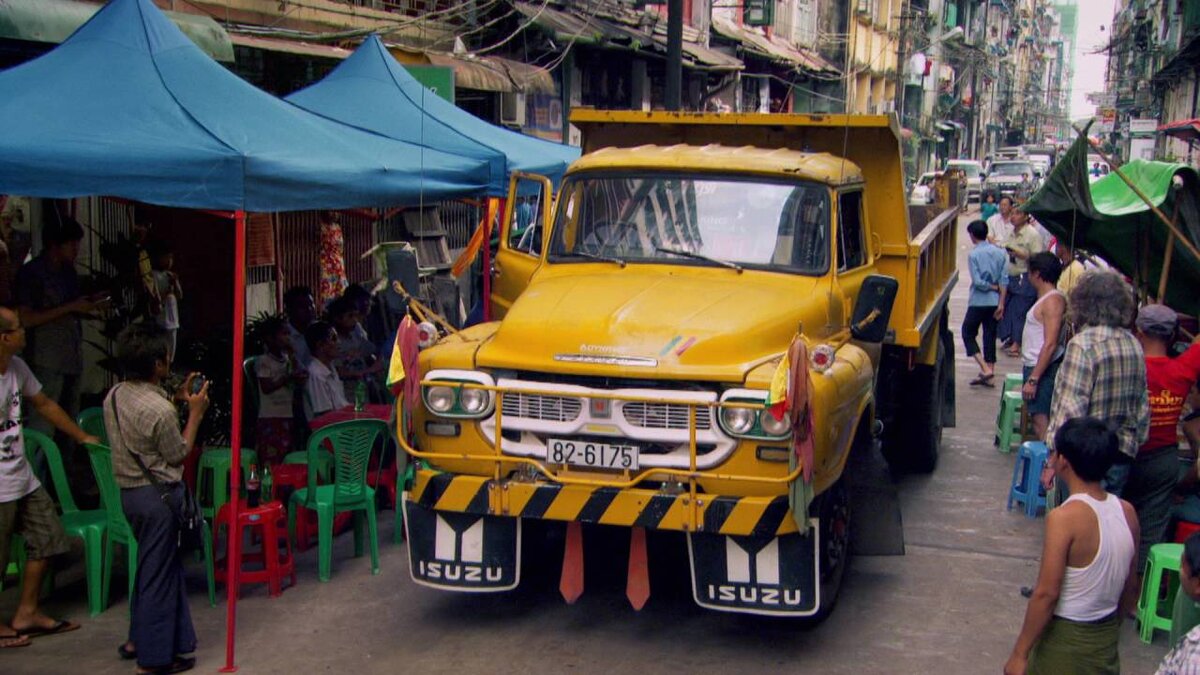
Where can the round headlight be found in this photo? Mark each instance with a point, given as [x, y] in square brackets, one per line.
[738, 420]
[473, 401]
[439, 399]
[774, 427]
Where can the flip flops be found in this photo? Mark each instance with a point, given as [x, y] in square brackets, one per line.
[984, 381]
[14, 641]
[60, 626]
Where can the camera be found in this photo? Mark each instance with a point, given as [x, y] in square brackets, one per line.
[197, 384]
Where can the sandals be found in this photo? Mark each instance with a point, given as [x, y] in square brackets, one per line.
[60, 626]
[984, 381]
[13, 641]
[125, 652]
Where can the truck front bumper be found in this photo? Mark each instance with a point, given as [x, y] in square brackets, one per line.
[627, 507]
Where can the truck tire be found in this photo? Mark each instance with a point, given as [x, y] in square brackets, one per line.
[833, 509]
[915, 436]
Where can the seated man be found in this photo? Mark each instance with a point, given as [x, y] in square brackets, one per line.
[324, 390]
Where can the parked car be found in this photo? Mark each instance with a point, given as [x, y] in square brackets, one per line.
[923, 192]
[1013, 178]
[974, 173]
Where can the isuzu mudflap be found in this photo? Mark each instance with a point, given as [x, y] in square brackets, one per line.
[756, 574]
[462, 551]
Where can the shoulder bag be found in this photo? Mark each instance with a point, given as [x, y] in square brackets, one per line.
[188, 517]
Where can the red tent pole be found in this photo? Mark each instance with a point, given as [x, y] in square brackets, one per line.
[233, 555]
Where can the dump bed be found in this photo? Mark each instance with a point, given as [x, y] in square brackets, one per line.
[922, 260]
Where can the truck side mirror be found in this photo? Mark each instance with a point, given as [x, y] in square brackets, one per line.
[873, 308]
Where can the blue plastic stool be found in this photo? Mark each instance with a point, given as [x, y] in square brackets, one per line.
[1026, 481]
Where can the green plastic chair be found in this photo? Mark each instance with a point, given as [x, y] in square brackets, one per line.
[91, 421]
[212, 477]
[119, 531]
[323, 460]
[89, 525]
[352, 444]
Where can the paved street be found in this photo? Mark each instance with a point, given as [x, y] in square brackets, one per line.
[949, 606]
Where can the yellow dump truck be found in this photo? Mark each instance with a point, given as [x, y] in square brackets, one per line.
[643, 320]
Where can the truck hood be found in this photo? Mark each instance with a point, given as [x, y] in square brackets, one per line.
[661, 322]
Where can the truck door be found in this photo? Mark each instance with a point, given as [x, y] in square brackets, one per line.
[523, 228]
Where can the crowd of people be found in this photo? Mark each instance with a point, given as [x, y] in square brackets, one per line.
[1105, 385]
[312, 365]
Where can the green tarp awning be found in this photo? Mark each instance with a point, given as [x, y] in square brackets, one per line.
[1108, 218]
[53, 21]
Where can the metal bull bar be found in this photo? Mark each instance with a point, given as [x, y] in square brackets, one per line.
[497, 487]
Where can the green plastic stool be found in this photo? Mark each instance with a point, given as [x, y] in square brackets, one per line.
[1012, 382]
[212, 477]
[324, 460]
[1163, 558]
[1008, 426]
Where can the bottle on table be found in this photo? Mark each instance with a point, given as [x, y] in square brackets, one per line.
[253, 487]
[268, 484]
[360, 396]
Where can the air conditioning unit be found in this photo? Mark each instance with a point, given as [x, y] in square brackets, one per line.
[512, 109]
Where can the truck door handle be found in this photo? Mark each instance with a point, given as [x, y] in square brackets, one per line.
[496, 270]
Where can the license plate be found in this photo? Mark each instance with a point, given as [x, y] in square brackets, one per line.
[594, 455]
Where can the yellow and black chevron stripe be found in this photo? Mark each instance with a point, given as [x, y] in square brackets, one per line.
[760, 516]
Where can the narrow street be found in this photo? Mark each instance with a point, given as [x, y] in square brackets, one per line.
[951, 605]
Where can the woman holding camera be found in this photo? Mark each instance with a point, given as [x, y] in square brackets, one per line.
[143, 429]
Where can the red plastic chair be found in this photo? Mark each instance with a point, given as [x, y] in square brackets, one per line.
[1184, 529]
[271, 521]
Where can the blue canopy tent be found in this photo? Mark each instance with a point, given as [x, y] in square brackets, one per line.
[370, 90]
[128, 106]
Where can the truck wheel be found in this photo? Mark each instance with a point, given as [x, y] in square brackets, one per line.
[833, 509]
[917, 431]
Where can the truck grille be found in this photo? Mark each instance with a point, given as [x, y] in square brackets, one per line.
[664, 416]
[539, 407]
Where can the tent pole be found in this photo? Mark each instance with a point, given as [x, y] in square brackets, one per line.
[1166, 268]
[1187, 243]
[487, 259]
[233, 555]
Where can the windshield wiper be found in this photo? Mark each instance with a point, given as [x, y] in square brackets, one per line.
[596, 256]
[699, 256]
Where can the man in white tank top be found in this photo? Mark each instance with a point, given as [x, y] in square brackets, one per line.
[1041, 344]
[1087, 581]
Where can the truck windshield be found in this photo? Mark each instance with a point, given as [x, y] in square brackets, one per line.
[660, 218]
[1012, 168]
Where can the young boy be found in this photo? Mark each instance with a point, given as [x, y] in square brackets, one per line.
[169, 293]
[324, 391]
[356, 360]
[1087, 580]
[278, 374]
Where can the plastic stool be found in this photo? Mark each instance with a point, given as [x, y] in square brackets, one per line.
[1008, 425]
[1012, 382]
[1026, 487]
[212, 479]
[1163, 558]
[272, 521]
[1183, 530]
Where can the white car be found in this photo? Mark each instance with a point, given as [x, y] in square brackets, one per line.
[974, 173]
[922, 193]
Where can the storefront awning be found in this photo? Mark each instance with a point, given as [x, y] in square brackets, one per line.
[53, 21]
[771, 49]
[290, 46]
[606, 23]
[493, 73]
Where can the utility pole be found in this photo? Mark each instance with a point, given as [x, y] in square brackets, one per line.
[674, 54]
